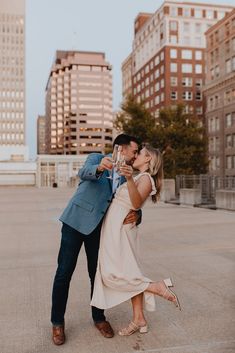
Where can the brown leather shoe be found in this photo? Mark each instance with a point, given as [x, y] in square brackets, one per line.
[58, 335]
[105, 329]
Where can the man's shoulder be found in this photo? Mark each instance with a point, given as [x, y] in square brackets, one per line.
[95, 156]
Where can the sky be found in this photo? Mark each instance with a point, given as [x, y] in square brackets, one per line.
[91, 25]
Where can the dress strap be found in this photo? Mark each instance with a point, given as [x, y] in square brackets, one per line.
[154, 190]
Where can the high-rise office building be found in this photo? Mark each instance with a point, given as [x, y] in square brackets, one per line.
[12, 80]
[127, 77]
[79, 116]
[220, 96]
[41, 134]
[168, 56]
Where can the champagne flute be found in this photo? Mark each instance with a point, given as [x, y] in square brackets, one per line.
[121, 162]
[115, 157]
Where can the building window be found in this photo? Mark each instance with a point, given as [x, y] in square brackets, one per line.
[198, 69]
[199, 110]
[217, 123]
[229, 162]
[233, 63]
[186, 41]
[233, 22]
[197, 13]
[146, 81]
[187, 68]
[157, 100]
[173, 25]
[198, 82]
[173, 39]
[173, 53]
[233, 44]
[209, 14]
[198, 96]
[186, 26]
[212, 74]
[157, 87]
[198, 55]
[186, 12]
[186, 54]
[234, 145]
[187, 81]
[157, 60]
[217, 71]
[198, 41]
[174, 81]
[174, 95]
[198, 27]
[228, 66]
[227, 96]
[157, 73]
[173, 67]
[229, 142]
[228, 120]
[187, 95]
[173, 11]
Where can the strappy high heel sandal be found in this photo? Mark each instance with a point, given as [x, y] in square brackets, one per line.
[132, 328]
[169, 292]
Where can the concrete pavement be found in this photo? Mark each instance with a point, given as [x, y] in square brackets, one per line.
[196, 247]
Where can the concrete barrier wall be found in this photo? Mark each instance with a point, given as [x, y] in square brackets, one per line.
[225, 199]
[190, 197]
[168, 190]
[17, 173]
[18, 179]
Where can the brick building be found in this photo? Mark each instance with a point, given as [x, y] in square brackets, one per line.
[168, 56]
[220, 96]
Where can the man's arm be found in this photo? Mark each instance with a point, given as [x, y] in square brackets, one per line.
[94, 167]
[133, 217]
[88, 171]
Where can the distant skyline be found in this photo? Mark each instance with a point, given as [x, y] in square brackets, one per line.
[102, 26]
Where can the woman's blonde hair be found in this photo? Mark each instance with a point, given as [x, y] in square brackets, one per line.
[155, 169]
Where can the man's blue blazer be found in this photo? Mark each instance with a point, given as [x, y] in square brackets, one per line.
[92, 198]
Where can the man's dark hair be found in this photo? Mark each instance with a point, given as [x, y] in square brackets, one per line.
[124, 139]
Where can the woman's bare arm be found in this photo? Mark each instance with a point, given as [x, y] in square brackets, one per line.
[139, 191]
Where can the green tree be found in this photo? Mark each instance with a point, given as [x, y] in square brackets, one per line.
[178, 135]
[135, 120]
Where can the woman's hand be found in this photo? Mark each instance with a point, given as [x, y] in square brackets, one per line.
[126, 171]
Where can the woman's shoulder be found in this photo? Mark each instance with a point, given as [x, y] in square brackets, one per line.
[146, 177]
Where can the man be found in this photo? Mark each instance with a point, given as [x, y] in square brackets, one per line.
[82, 220]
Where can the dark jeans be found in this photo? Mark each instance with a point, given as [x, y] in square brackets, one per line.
[71, 243]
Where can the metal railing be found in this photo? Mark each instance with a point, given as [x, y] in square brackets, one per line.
[208, 185]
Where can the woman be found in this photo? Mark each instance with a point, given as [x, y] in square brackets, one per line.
[118, 276]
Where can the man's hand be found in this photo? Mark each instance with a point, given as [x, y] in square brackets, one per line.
[106, 163]
[132, 217]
